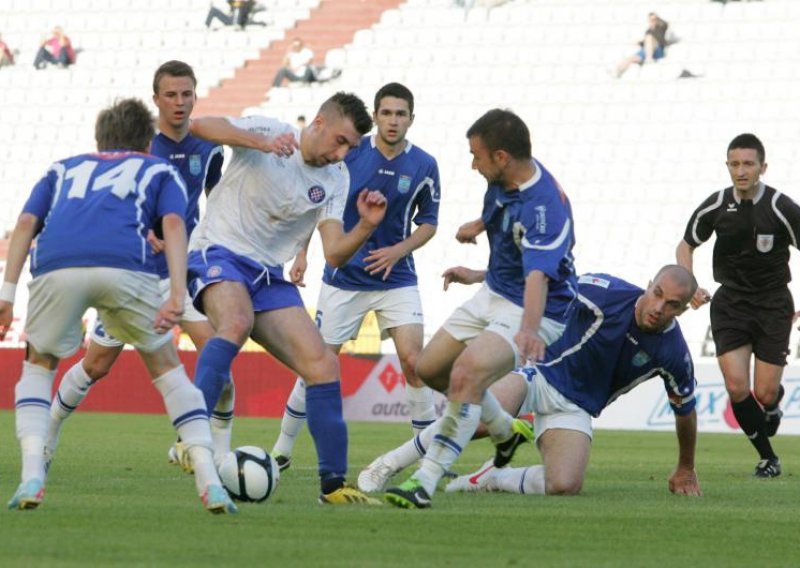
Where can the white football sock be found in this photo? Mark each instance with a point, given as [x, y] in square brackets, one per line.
[294, 416]
[222, 421]
[187, 411]
[524, 480]
[496, 420]
[403, 456]
[32, 404]
[420, 407]
[455, 431]
[73, 389]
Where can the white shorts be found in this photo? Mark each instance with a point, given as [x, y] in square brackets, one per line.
[100, 336]
[340, 312]
[127, 302]
[550, 408]
[488, 311]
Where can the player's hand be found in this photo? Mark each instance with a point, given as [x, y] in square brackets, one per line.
[382, 260]
[462, 275]
[701, 296]
[298, 270]
[468, 232]
[6, 318]
[371, 206]
[169, 315]
[282, 145]
[530, 344]
[683, 481]
[155, 243]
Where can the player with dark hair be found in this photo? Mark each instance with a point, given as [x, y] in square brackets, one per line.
[79, 263]
[381, 275]
[752, 310]
[200, 164]
[521, 307]
[578, 379]
[276, 190]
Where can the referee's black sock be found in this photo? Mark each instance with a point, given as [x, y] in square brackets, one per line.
[751, 420]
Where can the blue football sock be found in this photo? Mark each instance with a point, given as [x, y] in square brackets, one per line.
[214, 369]
[327, 427]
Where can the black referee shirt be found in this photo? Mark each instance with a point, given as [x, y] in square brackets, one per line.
[751, 253]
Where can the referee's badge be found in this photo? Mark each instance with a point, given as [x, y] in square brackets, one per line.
[764, 242]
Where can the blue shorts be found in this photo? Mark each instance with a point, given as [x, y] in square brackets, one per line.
[658, 53]
[267, 288]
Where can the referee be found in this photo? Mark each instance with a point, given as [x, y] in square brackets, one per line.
[752, 311]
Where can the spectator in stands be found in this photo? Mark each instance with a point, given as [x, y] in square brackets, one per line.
[651, 47]
[6, 55]
[56, 49]
[296, 64]
[238, 13]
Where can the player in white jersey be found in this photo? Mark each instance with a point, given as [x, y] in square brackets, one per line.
[276, 190]
[79, 263]
[381, 275]
[199, 162]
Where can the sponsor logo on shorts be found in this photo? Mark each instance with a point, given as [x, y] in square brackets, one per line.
[195, 165]
[316, 194]
[213, 271]
[404, 184]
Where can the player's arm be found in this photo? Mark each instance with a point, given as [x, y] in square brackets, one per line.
[300, 265]
[339, 246]
[220, 130]
[462, 275]
[175, 245]
[384, 259]
[469, 231]
[27, 227]
[530, 344]
[683, 480]
[684, 255]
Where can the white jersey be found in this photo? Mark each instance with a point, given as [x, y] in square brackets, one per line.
[266, 207]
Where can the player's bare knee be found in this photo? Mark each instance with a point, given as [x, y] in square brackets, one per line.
[464, 385]
[236, 327]
[323, 368]
[96, 369]
[766, 394]
[563, 486]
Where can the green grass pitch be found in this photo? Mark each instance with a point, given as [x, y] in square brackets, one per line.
[113, 499]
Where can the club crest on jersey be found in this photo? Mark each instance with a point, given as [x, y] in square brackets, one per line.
[195, 166]
[641, 358]
[404, 184]
[316, 194]
[213, 271]
[764, 242]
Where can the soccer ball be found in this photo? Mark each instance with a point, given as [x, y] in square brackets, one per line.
[249, 474]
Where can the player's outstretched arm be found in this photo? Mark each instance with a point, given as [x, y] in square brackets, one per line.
[383, 259]
[462, 275]
[21, 238]
[298, 270]
[339, 246]
[221, 131]
[175, 246]
[683, 480]
[469, 231]
[684, 254]
[530, 344]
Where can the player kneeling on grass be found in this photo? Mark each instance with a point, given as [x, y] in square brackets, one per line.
[578, 378]
[90, 215]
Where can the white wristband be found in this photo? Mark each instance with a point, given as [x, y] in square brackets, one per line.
[7, 292]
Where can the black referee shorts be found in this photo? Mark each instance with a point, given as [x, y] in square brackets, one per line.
[763, 320]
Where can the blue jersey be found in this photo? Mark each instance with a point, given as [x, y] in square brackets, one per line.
[604, 354]
[97, 209]
[531, 228]
[200, 164]
[410, 183]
